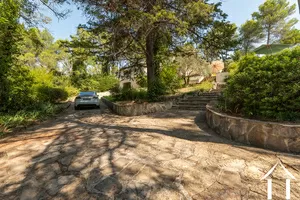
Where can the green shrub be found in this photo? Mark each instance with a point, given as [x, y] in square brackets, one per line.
[72, 91]
[110, 98]
[205, 86]
[100, 83]
[28, 116]
[142, 80]
[51, 94]
[131, 95]
[169, 77]
[232, 68]
[116, 89]
[266, 87]
[20, 88]
[156, 89]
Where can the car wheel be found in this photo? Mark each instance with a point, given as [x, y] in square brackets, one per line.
[76, 107]
[98, 107]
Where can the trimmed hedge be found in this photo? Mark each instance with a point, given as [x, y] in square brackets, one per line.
[266, 87]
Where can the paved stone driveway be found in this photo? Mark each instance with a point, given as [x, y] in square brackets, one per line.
[94, 154]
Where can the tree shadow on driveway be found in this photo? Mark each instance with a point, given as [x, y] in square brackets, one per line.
[104, 156]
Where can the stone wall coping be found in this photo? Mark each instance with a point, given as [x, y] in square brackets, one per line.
[211, 108]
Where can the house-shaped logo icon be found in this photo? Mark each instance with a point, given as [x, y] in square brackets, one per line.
[288, 176]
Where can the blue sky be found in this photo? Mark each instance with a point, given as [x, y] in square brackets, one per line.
[238, 12]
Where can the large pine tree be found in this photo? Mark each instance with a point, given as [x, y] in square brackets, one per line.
[274, 17]
[149, 28]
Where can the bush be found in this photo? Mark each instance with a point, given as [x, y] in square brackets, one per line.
[266, 87]
[232, 68]
[100, 83]
[205, 86]
[51, 94]
[142, 80]
[131, 95]
[28, 116]
[20, 88]
[169, 78]
[71, 91]
[156, 90]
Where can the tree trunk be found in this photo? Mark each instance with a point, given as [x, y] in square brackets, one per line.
[269, 35]
[150, 58]
[151, 51]
[185, 81]
[188, 80]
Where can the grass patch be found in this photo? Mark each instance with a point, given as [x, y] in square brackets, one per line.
[28, 116]
[204, 86]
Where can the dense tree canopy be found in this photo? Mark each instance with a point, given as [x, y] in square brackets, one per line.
[291, 37]
[220, 41]
[10, 37]
[251, 32]
[140, 32]
[272, 23]
[274, 17]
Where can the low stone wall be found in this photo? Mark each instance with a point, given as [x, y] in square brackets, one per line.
[269, 135]
[138, 108]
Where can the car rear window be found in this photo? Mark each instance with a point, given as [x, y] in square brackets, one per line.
[86, 93]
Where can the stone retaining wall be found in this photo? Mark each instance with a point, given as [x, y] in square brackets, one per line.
[269, 135]
[138, 108]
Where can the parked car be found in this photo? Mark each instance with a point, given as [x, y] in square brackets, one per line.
[87, 99]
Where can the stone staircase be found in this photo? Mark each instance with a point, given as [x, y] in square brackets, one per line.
[197, 101]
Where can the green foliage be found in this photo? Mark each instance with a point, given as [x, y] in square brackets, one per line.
[140, 32]
[190, 63]
[72, 91]
[48, 88]
[291, 37]
[232, 68]
[131, 95]
[28, 116]
[51, 94]
[10, 36]
[79, 74]
[19, 95]
[111, 98]
[99, 83]
[141, 80]
[251, 32]
[169, 77]
[220, 40]
[274, 17]
[156, 89]
[205, 86]
[266, 87]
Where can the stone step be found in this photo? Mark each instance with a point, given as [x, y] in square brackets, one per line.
[208, 94]
[189, 107]
[195, 100]
[203, 95]
[193, 103]
[201, 98]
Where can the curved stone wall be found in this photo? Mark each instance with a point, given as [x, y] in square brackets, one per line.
[138, 108]
[269, 135]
